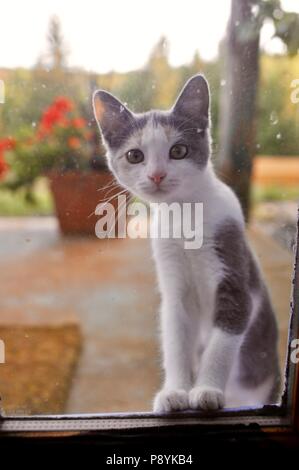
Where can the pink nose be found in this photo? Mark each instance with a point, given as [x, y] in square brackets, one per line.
[157, 177]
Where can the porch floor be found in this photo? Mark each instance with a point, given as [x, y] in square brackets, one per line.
[109, 289]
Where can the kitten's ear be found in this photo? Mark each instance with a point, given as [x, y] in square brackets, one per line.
[113, 118]
[194, 101]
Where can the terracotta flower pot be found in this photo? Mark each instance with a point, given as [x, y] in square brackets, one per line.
[76, 195]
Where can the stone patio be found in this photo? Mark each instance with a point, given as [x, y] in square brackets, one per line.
[109, 288]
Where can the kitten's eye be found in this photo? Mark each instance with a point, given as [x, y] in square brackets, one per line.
[135, 156]
[178, 151]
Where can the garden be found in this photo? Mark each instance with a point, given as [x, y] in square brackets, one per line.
[78, 314]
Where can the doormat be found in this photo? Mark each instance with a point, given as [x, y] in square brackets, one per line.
[39, 367]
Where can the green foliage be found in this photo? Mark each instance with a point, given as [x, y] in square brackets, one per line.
[156, 85]
[38, 201]
[278, 123]
[274, 193]
[60, 141]
[134, 92]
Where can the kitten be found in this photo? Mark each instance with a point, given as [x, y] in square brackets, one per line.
[219, 333]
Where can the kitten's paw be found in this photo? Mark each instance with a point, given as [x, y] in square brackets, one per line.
[171, 400]
[206, 398]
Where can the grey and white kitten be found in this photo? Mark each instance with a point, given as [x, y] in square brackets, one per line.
[219, 333]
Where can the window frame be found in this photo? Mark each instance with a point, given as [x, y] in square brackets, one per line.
[278, 422]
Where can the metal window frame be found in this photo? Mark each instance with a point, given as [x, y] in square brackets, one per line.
[277, 422]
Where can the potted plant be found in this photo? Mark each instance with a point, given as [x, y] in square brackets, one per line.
[61, 146]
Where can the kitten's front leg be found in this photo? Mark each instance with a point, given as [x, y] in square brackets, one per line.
[232, 311]
[177, 351]
[217, 361]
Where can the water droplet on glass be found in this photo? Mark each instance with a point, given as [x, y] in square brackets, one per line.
[278, 14]
[44, 86]
[223, 82]
[273, 118]
[278, 136]
[255, 10]
[121, 108]
[33, 124]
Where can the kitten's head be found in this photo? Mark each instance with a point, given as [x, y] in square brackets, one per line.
[158, 155]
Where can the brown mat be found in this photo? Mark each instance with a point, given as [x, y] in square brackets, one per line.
[39, 366]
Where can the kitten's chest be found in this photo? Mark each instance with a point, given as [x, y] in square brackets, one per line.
[204, 270]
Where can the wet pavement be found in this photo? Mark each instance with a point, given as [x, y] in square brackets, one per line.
[109, 288]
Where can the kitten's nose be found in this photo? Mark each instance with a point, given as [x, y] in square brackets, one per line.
[157, 177]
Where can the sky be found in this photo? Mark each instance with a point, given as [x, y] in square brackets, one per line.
[117, 34]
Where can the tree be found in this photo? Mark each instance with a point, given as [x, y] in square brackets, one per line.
[238, 101]
[164, 80]
[57, 50]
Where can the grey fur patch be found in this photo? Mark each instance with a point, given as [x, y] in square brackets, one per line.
[197, 139]
[192, 134]
[196, 135]
[117, 123]
[255, 280]
[193, 103]
[258, 352]
[233, 301]
[117, 137]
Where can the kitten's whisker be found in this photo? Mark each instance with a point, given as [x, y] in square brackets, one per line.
[109, 192]
[105, 201]
[191, 129]
[108, 185]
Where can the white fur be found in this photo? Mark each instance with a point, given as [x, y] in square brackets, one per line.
[188, 281]
[200, 361]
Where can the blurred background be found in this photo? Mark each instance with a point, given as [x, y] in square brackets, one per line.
[78, 315]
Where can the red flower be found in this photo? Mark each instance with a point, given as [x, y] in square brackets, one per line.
[74, 142]
[7, 144]
[62, 104]
[51, 117]
[3, 166]
[78, 123]
[55, 114]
